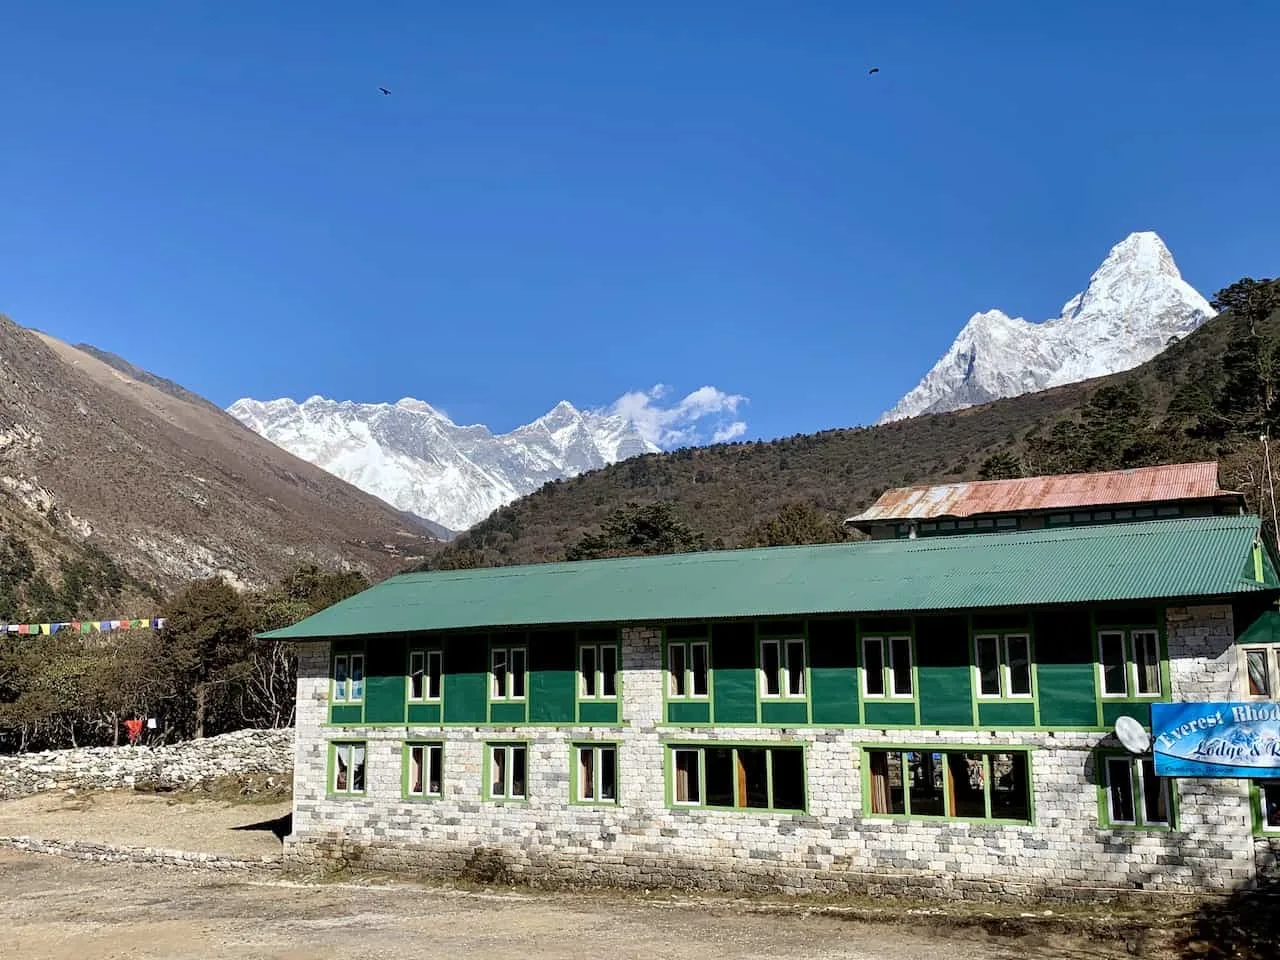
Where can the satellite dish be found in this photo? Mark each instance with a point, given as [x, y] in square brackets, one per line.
[1132, 735]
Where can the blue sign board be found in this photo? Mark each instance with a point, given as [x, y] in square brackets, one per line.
[1216, 739]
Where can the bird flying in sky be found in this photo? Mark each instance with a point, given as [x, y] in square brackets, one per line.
[873, 70]
[385, 91]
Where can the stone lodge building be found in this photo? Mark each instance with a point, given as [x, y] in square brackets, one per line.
[927, 711]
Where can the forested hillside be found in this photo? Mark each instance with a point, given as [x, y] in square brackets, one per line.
[1212, 395]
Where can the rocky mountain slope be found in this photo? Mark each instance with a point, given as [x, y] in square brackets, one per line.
[417, 459]
[1135, 304]
[165, 483]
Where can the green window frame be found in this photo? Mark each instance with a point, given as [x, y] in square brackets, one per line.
[1130, 663]
[1259, 671]
[921, 783]
[1131, 796]
[1002, 666]
[599, 671]
[425, 679]
[508, 673]
[348, 678]
[887, 667]
[688, 670]
[423, 770]
[594, 773]
[348, 773]
[783, 668]
[738, 776]
[1266, 807]
[506, 773]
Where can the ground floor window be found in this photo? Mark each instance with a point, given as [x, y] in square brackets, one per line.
[425, 771]
[508, 771]
[596, 773]
[745, 777]
[1135, 796]
[1269, 805]
[346, 764]
[959, 784]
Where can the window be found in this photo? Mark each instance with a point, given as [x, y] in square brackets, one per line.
[886, 667]
[1261, 671]
[424, 675]
[956, 784]
[687, 670]
[347, 766]
[1135, 796]
[598, 671]
[348, 678]
[597, 773]
[508, 673]
[782, 668]
[425, 772]
[1269, 806]
[760, 778]
[508, 773]
[1129, 662]
[1003, 665]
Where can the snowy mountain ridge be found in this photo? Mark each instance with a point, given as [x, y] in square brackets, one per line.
[417, 459]
[1136, 302]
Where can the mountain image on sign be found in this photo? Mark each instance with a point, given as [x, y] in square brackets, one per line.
[1132, 735]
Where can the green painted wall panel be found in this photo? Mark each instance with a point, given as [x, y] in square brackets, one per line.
[890, 714]
[1139, 711]
[466, 678]
[602, 712]
[1066, 680]
[385, 667]
[553, 677]
[942, 670]
[689, 712]
[346, 713]
[506, 713]
[790, 714]
[733, 664]
[424, 713]
[833, 671]
[1006, 715]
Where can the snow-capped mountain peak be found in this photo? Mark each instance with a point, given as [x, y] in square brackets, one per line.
[1135, 303]
[417, 459]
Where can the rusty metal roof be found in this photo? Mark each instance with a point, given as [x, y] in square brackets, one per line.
[1164, 484]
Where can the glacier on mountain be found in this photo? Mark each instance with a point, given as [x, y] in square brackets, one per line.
[1135, 304]
[418, 460]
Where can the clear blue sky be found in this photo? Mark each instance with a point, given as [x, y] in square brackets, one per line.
[576, 199]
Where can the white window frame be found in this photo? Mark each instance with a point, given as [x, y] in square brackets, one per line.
[348, 694]
[785, 645]
[1262, 807]
[1102, 667]
[1137, 792]
[1272, 653]
[598, 678]
[1128, 646]
[597, 784]
[1127, 763]
[1004, 670]
[508, 770]
[428, 747]
[697, 754]
[1131, 649]
[425, 656]
[349, 747]
[888, 663]
[688, 694]
[508, 694]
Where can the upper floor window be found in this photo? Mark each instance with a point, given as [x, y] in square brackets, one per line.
[687, 669]
[1003, 664]
[348, 678]
[886, 667]
[1129, 662]
[1261, 670]
[782, 668]
[424, 675]
[598, 671]
[508, 674]
[1136, 797]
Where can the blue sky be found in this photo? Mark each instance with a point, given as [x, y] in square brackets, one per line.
[575, 200]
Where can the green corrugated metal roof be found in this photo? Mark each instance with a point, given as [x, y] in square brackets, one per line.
[1162, 559]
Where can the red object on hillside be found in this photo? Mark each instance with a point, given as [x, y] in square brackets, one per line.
[134, 729]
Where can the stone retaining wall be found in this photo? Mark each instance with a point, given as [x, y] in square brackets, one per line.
[181, 764]
[108, 853]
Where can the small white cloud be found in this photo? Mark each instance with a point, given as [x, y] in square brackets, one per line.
[683, 423]
[730, 432]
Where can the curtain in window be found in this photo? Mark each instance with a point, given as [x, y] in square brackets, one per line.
[879, 782]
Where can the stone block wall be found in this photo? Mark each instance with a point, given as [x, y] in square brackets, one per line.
[835, 847]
